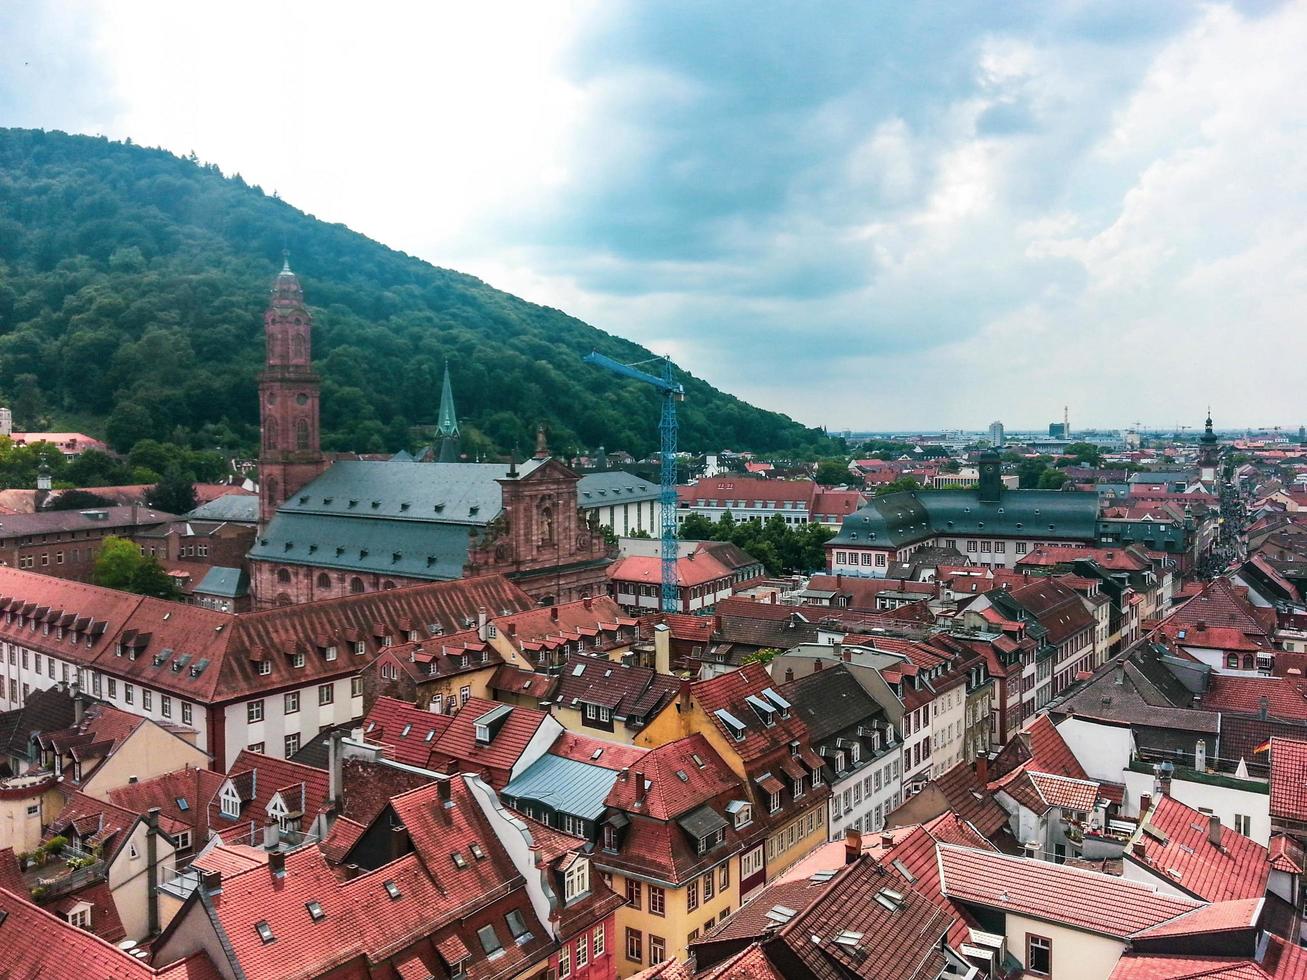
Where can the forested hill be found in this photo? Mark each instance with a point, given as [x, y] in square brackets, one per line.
[132, 287]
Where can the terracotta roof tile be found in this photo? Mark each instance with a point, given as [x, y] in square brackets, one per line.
[1178, 850]
[679, 775]
[1084, 900]
[1289, 779]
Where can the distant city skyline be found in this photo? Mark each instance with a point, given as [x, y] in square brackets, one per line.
[886, 212]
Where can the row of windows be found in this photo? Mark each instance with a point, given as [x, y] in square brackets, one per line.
[583, 946]
[291, 700]
[793, 832]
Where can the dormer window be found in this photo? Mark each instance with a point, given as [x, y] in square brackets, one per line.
[576, 881]
[855, 752]
[230, 802]
[482, 733]
[794, 750]
[360, 648]
[797, 785]
[774, 803]
[330, 652]
[742, 811]
[297, 660]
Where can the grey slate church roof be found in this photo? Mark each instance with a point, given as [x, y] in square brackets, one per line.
[238, 508]
[614, 487]
[903, 518]
[230, 583]
[413, 520]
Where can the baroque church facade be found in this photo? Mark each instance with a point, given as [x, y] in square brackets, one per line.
[329, 529]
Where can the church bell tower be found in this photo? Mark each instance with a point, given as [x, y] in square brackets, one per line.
[291, 455]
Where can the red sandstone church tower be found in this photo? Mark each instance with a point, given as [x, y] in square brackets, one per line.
[288, 398]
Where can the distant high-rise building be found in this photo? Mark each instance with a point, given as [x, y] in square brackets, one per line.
[6, 422]
[996, 434]
[1057, 430]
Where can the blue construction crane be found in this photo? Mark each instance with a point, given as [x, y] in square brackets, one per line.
[672, 391]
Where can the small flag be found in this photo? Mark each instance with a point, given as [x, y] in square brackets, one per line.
[1264, 747]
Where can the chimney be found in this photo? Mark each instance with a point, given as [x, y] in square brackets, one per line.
[445, 787]
[1214, 830]
[639, 787]
[271, 837]
[512, 629]
[789, 674]
[1200, 626]
[335, 766]
[886, 839]
[210, 881]
[982, 768]
[1263, 707]
[152, 867]
[846, 655]
[816, 664]
[352, 871]
[587, 601]
[1145, 804]
[79, 708]
[482, 619]
[399, 842]
[852, 845]
[553, 613]
[839, 580]
[277, 863]
[683, 698]
[1030, 849]
[662, 637]
[1138, 849]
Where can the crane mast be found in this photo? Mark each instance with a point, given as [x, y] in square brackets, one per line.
[671, 391]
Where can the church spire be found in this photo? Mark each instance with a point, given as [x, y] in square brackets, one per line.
[447, 423]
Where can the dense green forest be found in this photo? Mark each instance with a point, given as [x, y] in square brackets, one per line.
[132, 287]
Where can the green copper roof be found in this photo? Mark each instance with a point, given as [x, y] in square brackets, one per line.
[904, 518]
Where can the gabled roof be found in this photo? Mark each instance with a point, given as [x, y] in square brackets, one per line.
[1284, 698]
[728, 696]
[403, 729]
[1178, 850]
[679, 776]
[831, 702]
[699, 569]
[631, 692]
[1049, 751]
[1079, 899]
[1040, 792]
[29, 934]
[211, 657]
[971, 800]
[566, 786]
[47, 709]
[182, 796]
[94, 822]
[1289, 779]
[259, 778]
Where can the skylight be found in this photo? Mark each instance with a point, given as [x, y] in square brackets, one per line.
[315, 911]
[460, 862]
[265, 931]
[477, 852]
[851, 939]
[183, 803]
[392, 889]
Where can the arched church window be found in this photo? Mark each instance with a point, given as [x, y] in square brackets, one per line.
[302, 434]
[356, 585]
[271, 487]
[324, 581]
[269, 433]
[283, 576]
[297, 347]
[387, 584]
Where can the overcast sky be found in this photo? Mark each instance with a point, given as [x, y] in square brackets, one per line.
[867, 215]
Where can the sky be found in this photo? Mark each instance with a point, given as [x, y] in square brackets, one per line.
[871, 216]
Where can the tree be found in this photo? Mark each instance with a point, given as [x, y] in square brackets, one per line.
[1052, 479]
[1084, 452]
[832, 472]
[120, 565]
[896, 486]
[174, 494]
[77, 500]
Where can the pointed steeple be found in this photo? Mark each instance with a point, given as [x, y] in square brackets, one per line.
[542, 445]
[285, 262]
[447, 423]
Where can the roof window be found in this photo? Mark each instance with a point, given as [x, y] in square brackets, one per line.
[460, 862]
[315, 911]
[392, 889]
[265, 931]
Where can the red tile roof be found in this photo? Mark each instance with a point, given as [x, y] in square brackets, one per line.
[105, 922]
[583, 748]
[1285, 697]
[1142, 966]
[1040, 792]
[303, 789]
[1177, 850]
[1287, 855]
[728, 693]
[1049, 751]
[725, 489]
[196, 787]
[1084, 900]
[971, 800]
[454, 745]
[1289, 779]
[702, 569]
[1217, 917]
[28, 934]
[679, 777]
[234, 643]
[564, 617]
[633, 693]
